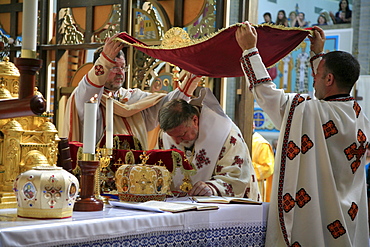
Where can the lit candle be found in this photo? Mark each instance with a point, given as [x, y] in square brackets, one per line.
[109, 122]
[29, 28]
[89, 135]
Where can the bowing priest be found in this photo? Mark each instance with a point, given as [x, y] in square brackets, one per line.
[319, 190]
[212, 143]
[135, 111]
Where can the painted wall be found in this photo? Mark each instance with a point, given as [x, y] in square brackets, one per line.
[310, 8]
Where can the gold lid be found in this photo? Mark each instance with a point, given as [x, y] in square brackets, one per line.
[8, 68]
[13, 125]
[47, 126]
[4, 93]
[35, 158]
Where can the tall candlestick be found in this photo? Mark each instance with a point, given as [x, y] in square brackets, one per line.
[89, 135]
[29, 29]
[109, 122]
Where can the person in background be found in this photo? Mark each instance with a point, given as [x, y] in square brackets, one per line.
[281, 18]
[263, 163]
[300, 20]
[213, 143]
[319, 190]
[135, 111]
[321, 21]
[267, 18]
[343, 15]
[292, 18]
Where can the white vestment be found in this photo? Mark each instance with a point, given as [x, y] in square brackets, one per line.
[135, 111]
[221, 156]
[319, 191]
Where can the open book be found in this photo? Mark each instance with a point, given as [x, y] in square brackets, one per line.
[224, 199]
[161, 206]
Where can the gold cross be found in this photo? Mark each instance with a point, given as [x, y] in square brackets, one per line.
[144, 158]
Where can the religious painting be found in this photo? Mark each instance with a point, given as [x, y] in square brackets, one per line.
[293, 73]
[146, 25]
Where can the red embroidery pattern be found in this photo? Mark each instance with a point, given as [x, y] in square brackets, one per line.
[238, 161]
[353, 210]
[292, 150]
[282, 168]
[232, 140]
[99, 70]
[329, 129]
[202, 159]
[342, 99]
[353, 152]
[336, 229]
[306, 144]
[361, 137]
[288, 202]
[247, 67]
[228, 189]
[223, 149]
[302, 198]
[296, 244]
[301, 99]
[357, 108]
[253, 179]
[218, 168]
[315, 57]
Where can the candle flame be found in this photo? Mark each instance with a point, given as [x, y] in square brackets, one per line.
[94, 99]
[110, 95]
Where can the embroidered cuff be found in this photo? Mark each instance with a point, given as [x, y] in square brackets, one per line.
[253, 67]
[315, 60]
[189, 84]
[98, 74]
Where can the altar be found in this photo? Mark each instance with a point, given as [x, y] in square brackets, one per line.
[230, 225]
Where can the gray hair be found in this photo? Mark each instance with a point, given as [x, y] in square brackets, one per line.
[176, 112]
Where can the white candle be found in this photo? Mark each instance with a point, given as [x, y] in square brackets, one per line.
[109, 122]
[89, 135]
[29, 28]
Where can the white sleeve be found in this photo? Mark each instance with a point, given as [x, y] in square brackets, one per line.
[270, 99]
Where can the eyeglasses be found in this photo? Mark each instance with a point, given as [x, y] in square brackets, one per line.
[119, 70]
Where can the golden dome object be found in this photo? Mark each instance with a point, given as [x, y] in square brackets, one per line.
[8, 68]
[4, 93]
[35, 158]
[13, 125]
[47, 126]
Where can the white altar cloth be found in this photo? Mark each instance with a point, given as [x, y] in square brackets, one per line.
[138, 228]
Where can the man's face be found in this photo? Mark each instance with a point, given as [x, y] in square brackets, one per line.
[116, 75]
[320, 81]
[186, 133]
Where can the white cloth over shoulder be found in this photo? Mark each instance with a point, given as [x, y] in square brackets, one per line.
[220, 155]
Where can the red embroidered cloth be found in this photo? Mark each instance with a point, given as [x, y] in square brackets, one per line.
[218, 56]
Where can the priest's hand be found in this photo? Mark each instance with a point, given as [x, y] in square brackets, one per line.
[112, 47]
[246, 36]
[317, 40]
[200, 188]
